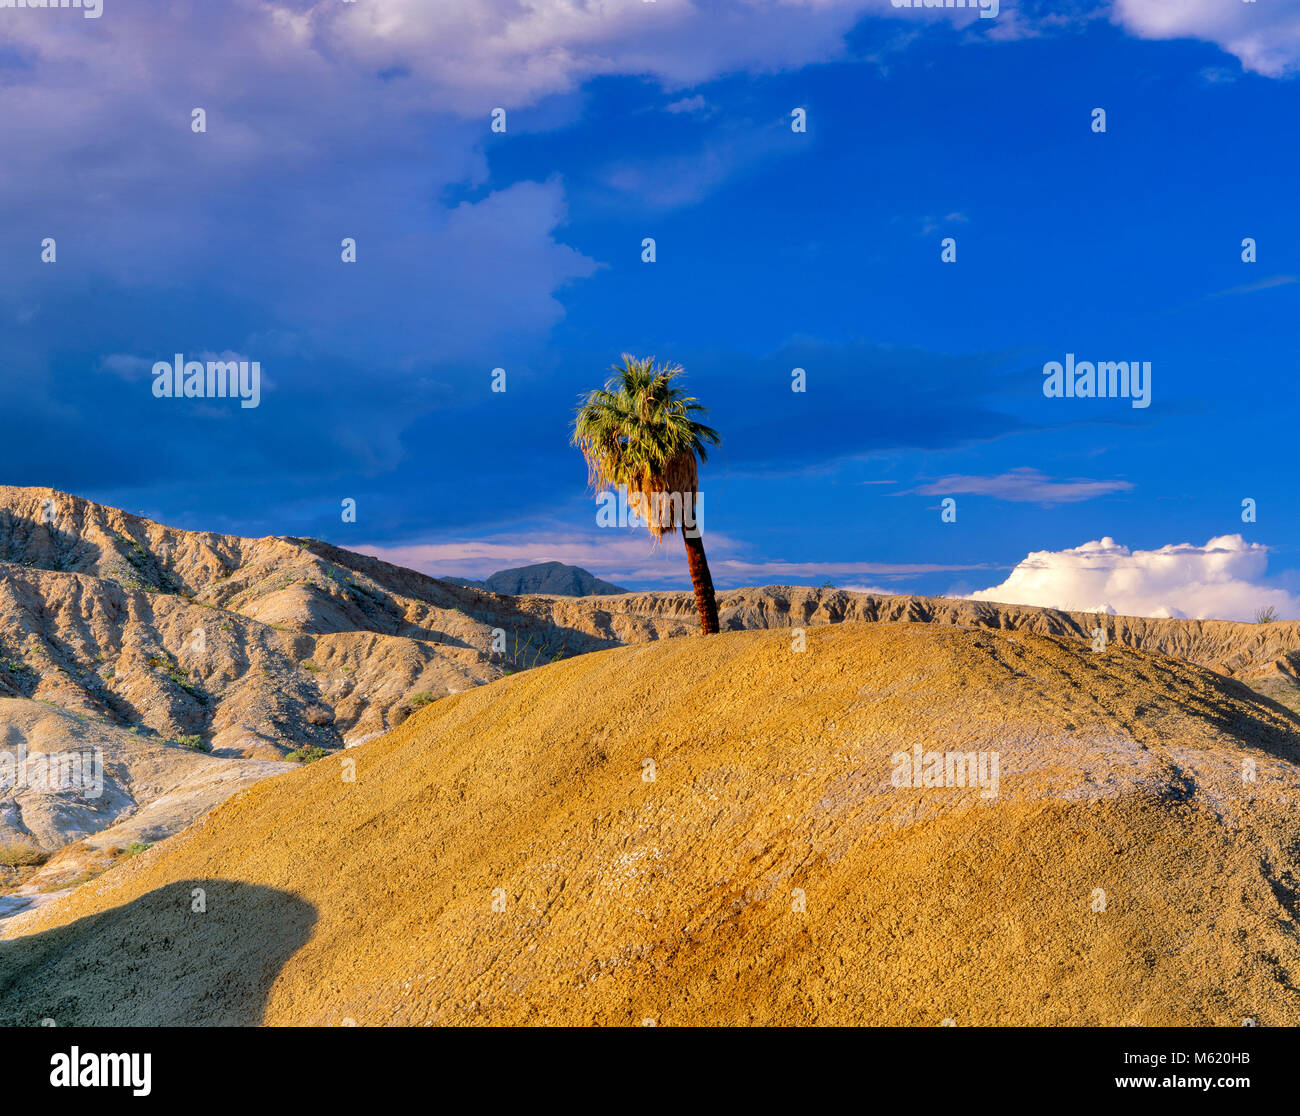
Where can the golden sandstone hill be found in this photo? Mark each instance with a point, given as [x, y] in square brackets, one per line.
[711, 831]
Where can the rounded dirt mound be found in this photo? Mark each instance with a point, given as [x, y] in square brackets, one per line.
[732, 830]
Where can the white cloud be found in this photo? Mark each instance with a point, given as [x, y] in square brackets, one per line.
[1264, 36]
[933, 224]
[687, 178]
[613, 555]
[300, 92]
[473, 57]
[1220, 580]
[626, 557]
[687, 104]
[1025, 485]
[126, 366]
[758, 573]
[304, 145]
[1251, 288]
[1218, 75]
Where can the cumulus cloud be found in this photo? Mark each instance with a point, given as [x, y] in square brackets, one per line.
[1264, 37]
[313, 107]
[304, 146]
[1221, 580]
[1026, 486]
[472, 57]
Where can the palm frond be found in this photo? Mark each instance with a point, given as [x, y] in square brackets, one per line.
[640, 435]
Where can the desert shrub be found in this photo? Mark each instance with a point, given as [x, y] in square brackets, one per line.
[1265, 615]
[423, 698]
[135, 848]
[175, 672]
[194, 742]
[21, 852]
[517, 658]
[319, 715]
[310, 754]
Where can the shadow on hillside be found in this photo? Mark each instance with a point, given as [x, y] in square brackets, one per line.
[479, 605]
[196, 952]
[37, 545]
[1261, 730]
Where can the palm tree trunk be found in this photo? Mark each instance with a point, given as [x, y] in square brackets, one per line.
[705, 601]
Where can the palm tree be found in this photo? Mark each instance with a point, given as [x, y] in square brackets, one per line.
[640, 437]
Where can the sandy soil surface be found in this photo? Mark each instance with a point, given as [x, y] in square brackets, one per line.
[710, 831]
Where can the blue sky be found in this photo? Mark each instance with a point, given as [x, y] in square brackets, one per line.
[775, 250]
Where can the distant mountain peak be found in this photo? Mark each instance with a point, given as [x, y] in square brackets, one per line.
[547, 579]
